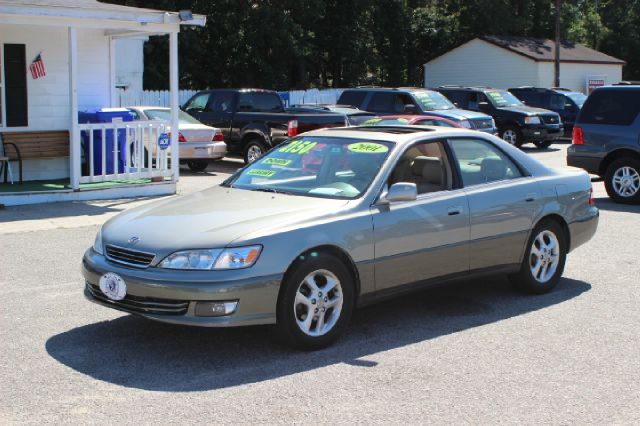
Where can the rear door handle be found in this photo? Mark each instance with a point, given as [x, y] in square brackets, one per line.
[531, 197]
[452, 211]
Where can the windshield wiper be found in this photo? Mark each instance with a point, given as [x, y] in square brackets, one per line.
[275, 191]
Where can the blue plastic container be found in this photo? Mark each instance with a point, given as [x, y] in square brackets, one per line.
[106, 115]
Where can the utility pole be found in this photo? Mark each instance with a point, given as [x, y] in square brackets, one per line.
[556, 80]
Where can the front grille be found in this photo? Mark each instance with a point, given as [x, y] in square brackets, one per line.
[482, 123]
[142, 305]
[129, 257]
[550, 119]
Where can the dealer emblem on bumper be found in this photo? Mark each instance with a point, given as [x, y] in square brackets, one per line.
[113, 286]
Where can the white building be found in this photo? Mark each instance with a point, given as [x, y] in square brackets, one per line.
[130, 63]
[504, 62]
[76, 40]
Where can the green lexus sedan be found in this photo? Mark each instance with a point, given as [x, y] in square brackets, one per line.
[338, 218]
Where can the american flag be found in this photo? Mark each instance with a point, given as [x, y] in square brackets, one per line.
[37, 67]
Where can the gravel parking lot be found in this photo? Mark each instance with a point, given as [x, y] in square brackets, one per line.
[474, 352]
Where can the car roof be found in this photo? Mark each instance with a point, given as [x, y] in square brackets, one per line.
[387, 89]
[394, 133]
[468, 88]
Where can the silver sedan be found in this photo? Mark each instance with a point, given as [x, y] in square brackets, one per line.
[339, 218]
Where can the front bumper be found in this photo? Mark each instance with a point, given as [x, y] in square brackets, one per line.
[202, 150]
[582, 230]
[542, 132]
[171, 295]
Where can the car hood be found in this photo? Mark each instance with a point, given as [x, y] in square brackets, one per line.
[213, 218]
[527, 110]
[459, 114]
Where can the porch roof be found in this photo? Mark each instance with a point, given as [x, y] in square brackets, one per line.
[93, 10]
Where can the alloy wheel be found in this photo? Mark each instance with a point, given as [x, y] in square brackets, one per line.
[545, 256]
[253, 153]
[318, 303]
[510, 136]
[626, 181]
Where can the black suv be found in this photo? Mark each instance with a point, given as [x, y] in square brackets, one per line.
[516, 122]
[606, 140]
[565, 102]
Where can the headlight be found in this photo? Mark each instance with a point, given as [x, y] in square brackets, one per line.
[97, 243]
[465, 123]
[231, 258]
[532, 120]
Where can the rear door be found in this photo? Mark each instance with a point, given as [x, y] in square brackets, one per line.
[426, 238]
[503, 202]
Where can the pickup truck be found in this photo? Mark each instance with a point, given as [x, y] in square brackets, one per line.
[254, 120]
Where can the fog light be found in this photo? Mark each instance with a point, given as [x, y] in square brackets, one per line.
[215, 309]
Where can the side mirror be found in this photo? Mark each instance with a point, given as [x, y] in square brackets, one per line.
[409, 109]
[483, 106]
[401, 191]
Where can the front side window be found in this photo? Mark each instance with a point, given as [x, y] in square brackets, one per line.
[199, 103]
[325, 167]
[259, 102]
[431, 101]
[503, 99]
[481, 162]
[557, 102]
[426, 165]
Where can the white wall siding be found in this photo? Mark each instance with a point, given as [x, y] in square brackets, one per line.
[574, 76]
[480, 63]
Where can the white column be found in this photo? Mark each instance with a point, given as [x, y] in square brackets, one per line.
[74, 132]
[113, 94]
[175, 107]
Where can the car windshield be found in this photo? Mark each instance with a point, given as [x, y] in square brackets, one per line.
[380, 121]
[315, 167]
[165, 114]
[502, 99]
[430, 101]
[578, 98]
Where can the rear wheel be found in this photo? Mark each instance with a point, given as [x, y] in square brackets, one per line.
[254, 149]
[543, 144]
[197, 165]
[544, 259]
[513, 135]
[315, 303]
[622, 181]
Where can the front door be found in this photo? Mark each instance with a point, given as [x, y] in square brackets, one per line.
[426, 238]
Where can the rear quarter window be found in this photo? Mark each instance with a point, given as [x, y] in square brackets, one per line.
[615, 107]
[352, 97]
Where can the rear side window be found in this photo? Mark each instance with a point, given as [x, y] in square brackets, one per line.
[198, 103]
[481, 162]
[352, 97]
[382, 102]
[458, 98]
[259, 102]
[616, 107]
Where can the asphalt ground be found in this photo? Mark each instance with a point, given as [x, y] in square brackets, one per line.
[475, 352]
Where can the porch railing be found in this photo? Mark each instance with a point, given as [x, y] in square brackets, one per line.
[123, 151]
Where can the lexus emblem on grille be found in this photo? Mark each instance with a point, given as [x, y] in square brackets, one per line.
[133, 240]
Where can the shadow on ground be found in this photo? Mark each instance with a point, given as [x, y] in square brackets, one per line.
[138, 353]
[605, 203]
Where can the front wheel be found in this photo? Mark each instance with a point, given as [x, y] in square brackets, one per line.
[544, 259]
[622, 181]
[315, 303]
[254, 150]
[512, 135]
[543, 144]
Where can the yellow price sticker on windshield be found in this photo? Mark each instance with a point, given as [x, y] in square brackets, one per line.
[299, 147]
[372, 121]
[276, 161]
[261, 173]
[368, 147]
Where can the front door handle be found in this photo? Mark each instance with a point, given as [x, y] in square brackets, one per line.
[452, 211]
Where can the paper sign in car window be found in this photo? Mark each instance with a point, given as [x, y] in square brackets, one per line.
[497, 97]
[372, 121]
[299, 147]
[368, 147]
[277, 161]
[261, 173]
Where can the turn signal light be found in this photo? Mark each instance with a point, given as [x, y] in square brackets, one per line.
[577, 138]
[292, 128]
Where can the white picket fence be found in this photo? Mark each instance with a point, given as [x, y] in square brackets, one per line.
[128, 98]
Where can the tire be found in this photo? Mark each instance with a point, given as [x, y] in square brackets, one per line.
[303, 290]
[253, 150]
[543, 144]
[539, 273]
[513, 135]
[197, 165]
[622, 180]
[133, 160]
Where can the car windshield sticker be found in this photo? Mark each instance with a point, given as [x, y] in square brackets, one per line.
[497, 96]
[425, 99]
[262, 173]
[368, 147]
[372, 121]
[403, 120]
[276, 161]
[299, 147]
